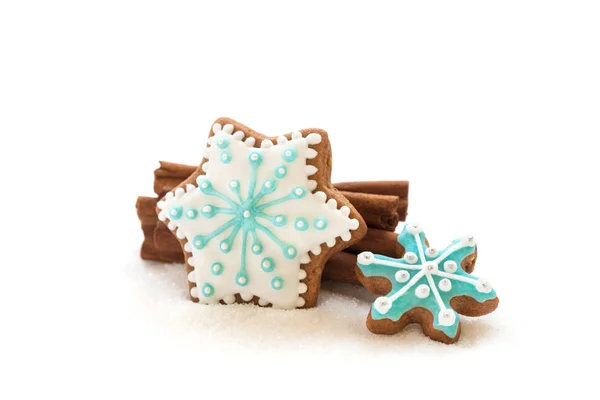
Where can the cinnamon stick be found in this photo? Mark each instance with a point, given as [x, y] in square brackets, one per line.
[387, 188]
[382, 204]
[145, 210]
[340, 268]
[169, 175]
[378, 241]
[390, 188]
[378, 210]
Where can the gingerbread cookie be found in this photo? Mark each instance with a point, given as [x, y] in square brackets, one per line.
[426, 286]
[259, 218]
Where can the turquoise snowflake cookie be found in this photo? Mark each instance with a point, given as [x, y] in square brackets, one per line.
[428, 286]
[251, 217]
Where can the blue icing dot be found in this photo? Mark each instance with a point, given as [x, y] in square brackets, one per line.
[225, 157]
[191, 213]
[269, 186]
[289, 251]
[301, 224]
[280, 171]
[298, 192]
[216, 268]
[320, 223]
[222, 142]
[225, 246]
[199, 242]
[279, 220]
[208, 290]
[289, 154]
[234, 185]
[267, 264]
[208, 211]
[205, 186]
[257, 248]
[241, 279]
[277, 283]
[176, 212]
[255, 157]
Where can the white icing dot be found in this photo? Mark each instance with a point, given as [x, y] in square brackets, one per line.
[194, 292]
[207, 209]
[190, 214]
[192, 276]
[450, 266]
[402, 276]
[299, 224]
[410, 257]
[430, 267]
[422, 291]
[220, 141]
[224, 156]
[229, 299]
[279, 219]
[414, 228]
[431, 252]
[246, 296]
[382, 305]
[320, 224]
[468, 241]
[288, 153]
[365, 258]
[299, 192]
[290, 251]
[483, 286]
[207, 290]
[281, 171]
[224, 246]
[266, 263]
[173, 212]
[255, 248]
[254, 157]
[263, 302]
[302, 288]
[445, 285]
[300, 302]
[301, 274]
[277, 283]
[233, 184]
[246, 214]
[242, 280]
[446, 317]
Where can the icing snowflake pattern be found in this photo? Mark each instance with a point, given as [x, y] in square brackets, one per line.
[252, 219]
[426, 278]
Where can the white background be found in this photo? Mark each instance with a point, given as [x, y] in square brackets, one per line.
[490, 109]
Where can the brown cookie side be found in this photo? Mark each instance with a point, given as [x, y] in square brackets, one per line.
[470, 307]
[416, 315]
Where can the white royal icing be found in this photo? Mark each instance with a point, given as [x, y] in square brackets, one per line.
[216, 213]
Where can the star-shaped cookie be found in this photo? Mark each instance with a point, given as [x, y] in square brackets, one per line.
[426, 286]
[259, 218]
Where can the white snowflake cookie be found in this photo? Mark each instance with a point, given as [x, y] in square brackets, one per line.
[258, 219]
